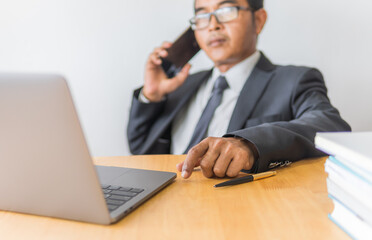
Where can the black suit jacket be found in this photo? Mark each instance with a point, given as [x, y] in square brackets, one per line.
[279, 110]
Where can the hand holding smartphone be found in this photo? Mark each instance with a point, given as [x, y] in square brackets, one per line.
[172, 64]
[180, 53]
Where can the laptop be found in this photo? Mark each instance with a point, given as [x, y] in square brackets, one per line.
[46, 168]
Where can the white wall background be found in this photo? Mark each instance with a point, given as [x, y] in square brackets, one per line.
[101, 47]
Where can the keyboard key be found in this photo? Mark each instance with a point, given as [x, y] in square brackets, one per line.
[112, 207]
[122, 193]
[119, 197]
[127, 189]
[105, 191]
[104, 186]
[114, 187]
[114, 202]
[107, 195]
[137, 190]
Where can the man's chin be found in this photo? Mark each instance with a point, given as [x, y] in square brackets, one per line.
[219, 57]
[222, 61]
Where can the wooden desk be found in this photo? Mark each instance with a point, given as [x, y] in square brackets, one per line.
[291, 205]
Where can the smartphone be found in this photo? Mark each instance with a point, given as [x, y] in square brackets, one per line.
[180, 53]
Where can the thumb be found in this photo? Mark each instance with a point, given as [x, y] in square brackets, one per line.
[183, 74]
[172, 84]
[184, 71]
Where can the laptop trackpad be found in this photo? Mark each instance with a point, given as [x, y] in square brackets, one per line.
[107, 175]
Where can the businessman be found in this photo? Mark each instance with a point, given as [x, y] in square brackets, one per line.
[245, 114]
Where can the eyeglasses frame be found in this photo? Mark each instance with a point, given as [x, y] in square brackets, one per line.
[193, 19]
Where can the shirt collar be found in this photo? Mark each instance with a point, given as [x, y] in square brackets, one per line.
[238, 74]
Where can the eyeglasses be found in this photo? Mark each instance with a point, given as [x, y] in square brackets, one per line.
[222, 15]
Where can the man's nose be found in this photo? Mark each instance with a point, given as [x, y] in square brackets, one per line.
[214, 24]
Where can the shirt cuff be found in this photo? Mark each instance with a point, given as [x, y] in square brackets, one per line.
[144, 99]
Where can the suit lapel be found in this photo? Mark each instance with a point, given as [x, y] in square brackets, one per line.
[251, 92]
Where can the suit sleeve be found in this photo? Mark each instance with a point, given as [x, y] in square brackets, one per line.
[141, 118]
[278, 142]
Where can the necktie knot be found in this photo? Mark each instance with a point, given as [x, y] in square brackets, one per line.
[221, 84]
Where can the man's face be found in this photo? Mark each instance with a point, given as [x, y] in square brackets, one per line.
[230, 42]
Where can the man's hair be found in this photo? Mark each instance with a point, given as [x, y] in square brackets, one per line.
[255, 4]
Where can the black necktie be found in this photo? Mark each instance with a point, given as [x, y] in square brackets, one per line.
[213, 102]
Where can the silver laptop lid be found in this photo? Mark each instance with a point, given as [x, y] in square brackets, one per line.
[43, 155]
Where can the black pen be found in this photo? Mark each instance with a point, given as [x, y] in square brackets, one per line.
[245, 179]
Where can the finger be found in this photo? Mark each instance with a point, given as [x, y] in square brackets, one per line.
[208, 162]
[228, 151]
[166, 44]
[236, 165]
[193, 158]
[242, 160]
[222, 164]
[179, 166]
[241, 155]
[160, 51]
[154, 59]
[163, 53]
[156, 51]
[156, 54]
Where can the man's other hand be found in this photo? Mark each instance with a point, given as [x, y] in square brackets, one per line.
[218, 157]
[157, 84]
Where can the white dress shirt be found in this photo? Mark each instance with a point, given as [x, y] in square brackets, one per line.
[186, 120]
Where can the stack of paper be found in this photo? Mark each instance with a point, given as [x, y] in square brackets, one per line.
[349, 181]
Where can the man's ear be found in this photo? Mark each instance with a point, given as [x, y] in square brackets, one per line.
[260, 19]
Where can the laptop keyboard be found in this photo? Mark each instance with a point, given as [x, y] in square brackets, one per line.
[116, 196]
